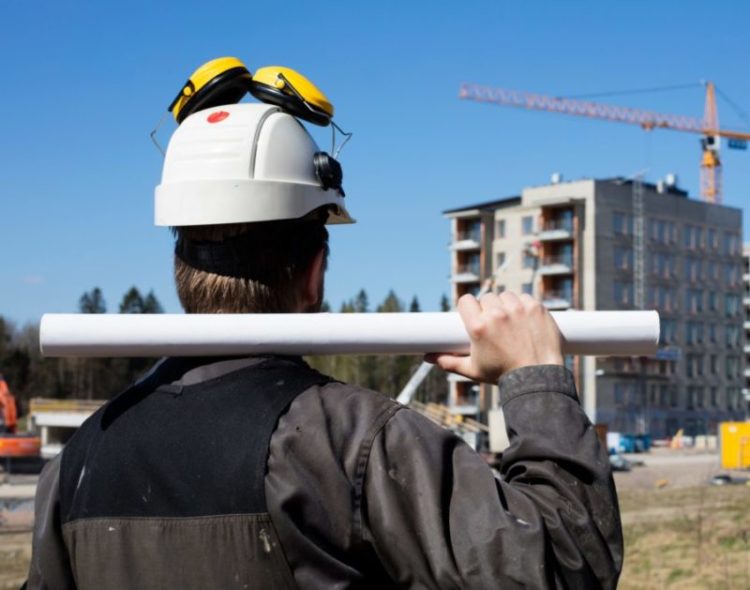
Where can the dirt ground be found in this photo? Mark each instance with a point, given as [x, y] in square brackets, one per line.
[679, 531]
[15, 554]
[670, 468]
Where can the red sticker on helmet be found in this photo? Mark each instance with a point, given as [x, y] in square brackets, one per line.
[217, 116]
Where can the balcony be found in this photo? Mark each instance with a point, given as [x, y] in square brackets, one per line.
[557, 299]
[468, 273]
[467, 240]
[556, 265]
[464, 397]
[556, 229]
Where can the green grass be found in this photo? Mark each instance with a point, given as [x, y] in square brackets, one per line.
[686, 538]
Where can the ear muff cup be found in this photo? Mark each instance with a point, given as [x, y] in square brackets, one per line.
[227, 88]
[329, 172]
[290, 103]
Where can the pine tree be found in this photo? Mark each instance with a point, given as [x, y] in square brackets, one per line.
[361, 303]
[132, 302]
[151, 304]
[414, 305]
[445, 304]
[92, 302]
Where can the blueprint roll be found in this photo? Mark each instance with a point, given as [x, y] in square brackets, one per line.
[598, 333]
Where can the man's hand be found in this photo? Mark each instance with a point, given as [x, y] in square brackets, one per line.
[507, 332]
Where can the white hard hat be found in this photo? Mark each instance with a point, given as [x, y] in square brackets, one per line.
[243, 163]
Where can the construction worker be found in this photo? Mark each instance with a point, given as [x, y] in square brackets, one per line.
[259, 472]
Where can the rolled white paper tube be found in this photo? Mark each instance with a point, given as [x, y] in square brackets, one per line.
[599, 333]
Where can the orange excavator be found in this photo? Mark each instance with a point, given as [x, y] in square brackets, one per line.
[13, 444]
[8, 410]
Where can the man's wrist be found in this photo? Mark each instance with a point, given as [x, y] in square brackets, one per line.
[536, 379]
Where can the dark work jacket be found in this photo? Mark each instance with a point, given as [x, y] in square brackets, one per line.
[357, 491]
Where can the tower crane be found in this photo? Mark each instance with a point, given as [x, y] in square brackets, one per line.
[708, 127]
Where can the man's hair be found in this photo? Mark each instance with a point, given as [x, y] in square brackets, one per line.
[270, 260]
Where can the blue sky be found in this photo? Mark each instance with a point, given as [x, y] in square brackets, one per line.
[83, 83]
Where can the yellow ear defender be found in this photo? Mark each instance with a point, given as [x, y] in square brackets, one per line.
[293, 92]
[221, 81]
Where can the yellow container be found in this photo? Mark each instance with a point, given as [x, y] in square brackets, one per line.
[735, 445]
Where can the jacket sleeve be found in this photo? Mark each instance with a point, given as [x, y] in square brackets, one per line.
[50, 567]
[438, 518]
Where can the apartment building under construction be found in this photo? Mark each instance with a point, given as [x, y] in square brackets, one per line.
[617, 244]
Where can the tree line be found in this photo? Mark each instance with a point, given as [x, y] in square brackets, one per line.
[30, 375]
[384, 373]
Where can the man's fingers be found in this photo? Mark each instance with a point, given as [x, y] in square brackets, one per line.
[471, 314]
[452, 363]
[510, 301]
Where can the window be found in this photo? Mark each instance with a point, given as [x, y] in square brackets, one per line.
[732, 336]
[470, 264]
[730, 244]
[471, 230]
[731, 273]
[499, 259]
[694, 332]
[527, 288]
[619, 394]
[731, 366]
[623, 258]
[713, 270]
[622, 223]
[623, 292]
[694, 365]
[687, 236]
[713, 301]
[528, 260]
[500, 228]
[694, 300]
[662, 231]
[662, 298]
[714, 365]
[527, 225]
[731, 305]
[693, 269]
[668, 331]
[714, 396]
[674, 396]
[713, 239]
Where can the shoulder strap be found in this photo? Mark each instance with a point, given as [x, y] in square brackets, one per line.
[207, 442]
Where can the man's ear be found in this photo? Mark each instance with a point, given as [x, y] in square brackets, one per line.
[313, 280]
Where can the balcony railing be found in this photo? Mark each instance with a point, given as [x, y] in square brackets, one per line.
[467, 240]
[556, 229]
[466, 273]
[557, 299]
[556, 224]
[556, 264]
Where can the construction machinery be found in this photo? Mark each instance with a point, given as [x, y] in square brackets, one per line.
[13, 444]
[708, 127]
[8, 409]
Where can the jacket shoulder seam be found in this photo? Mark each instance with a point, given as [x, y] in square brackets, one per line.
[362, 460]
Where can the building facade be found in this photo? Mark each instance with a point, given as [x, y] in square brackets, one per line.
[618, 244]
